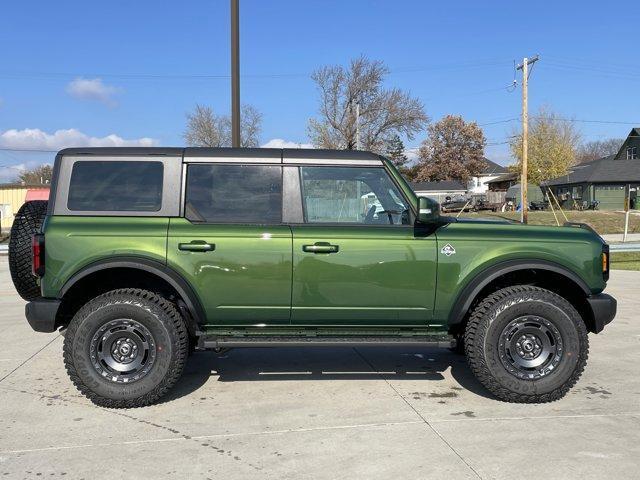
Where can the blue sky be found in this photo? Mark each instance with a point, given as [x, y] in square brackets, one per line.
[107, 73]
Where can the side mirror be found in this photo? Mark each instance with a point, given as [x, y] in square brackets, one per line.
[428, 210]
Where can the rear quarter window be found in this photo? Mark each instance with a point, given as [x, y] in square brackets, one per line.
[116, 186]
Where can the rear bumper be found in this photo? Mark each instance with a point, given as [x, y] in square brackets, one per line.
[41, 314]
[604, 309]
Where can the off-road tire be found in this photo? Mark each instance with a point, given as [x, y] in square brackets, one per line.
[484, 330]
[27, 222]
[158, 316]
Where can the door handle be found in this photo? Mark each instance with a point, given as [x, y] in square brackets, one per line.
[197, 246]
[321, 247]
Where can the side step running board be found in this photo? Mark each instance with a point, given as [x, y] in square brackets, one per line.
[328, 341]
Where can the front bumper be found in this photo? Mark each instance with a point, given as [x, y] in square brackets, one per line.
[41, 314]
[604, 308]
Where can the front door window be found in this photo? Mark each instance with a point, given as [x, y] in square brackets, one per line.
[352, 195]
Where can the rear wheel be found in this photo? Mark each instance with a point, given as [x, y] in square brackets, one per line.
[526, 344]
[126, 348]
[27, 222]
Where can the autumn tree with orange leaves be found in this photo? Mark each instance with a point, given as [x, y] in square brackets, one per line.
[453, 150]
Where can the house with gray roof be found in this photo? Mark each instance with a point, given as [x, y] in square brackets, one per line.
[480, 184]
[605, 180]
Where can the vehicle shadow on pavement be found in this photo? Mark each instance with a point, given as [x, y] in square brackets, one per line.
[325, 363]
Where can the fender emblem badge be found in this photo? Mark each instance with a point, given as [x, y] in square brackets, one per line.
[448, 250]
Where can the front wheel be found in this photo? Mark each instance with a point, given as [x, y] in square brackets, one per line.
[126, 348]
[526, 344]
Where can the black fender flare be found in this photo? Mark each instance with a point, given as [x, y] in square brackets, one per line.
[467, 295]
[154, 267]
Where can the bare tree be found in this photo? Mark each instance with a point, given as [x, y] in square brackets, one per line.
[40, 175]
[552, 147]
[250, 126]
[453, 150]
[383, 112]
[589, 151]
[207, 129]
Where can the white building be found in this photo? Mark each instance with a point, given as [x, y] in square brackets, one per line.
[439, 191]
[452, 189]
[477, 185]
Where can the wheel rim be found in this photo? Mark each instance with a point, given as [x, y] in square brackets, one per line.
[530, 347]
[123, 350]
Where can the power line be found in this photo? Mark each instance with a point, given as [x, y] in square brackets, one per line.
[154, 76]
[39, 150]
[624, 75]
[489, 143]
[597, 66]
[615, 122]
[507, 120]
[509, 88]
[560, 119]
[142, 76]
[451, 66]
[592, 62]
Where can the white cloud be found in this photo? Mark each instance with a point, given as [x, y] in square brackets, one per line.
[8, 173]
[281, 143]
[412, 154]
[34, 138]
[93, 89]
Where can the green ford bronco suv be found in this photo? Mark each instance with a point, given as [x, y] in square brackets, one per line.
[143, 255]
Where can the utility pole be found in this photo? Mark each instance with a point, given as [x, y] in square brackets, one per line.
[524, 204]
[235, 73]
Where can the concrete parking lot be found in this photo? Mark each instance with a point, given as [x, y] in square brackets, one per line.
[321, 413]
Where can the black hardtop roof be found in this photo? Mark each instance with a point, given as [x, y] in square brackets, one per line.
[114, 151]
[309, 153]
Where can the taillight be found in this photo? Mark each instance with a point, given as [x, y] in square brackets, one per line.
[605, 262]
[37, 250]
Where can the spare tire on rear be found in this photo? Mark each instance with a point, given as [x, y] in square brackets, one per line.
[27, 222]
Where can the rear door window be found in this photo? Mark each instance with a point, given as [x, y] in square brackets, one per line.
[112, 186]
[234, 193]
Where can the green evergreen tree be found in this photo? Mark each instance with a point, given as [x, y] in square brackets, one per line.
[395, 151]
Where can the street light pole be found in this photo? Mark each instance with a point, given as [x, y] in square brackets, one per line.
[235, 73]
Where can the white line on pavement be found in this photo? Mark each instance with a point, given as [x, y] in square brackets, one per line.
[204, 437]
[540, 417]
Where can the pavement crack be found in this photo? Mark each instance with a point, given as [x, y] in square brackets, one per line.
[433, 429]
[32, 356]
[80, 401]
[147, 422]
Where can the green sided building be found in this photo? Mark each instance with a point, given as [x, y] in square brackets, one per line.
[604, 180]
